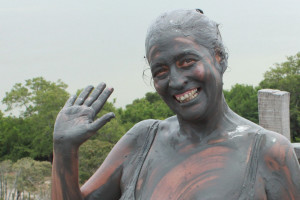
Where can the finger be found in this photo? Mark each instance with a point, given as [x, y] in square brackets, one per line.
[97, 124]
[98, 104]
[83, 95]
[95, 94]
[70, 101]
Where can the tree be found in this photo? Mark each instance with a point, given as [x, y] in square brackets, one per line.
[15, 138]
[30, 174]
[36, 96]
[149, 107]
[38, 102]
[242, 99]
[20, 179]
[91, 155]
[286, 76]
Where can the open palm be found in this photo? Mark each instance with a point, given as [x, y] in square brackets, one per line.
[75, 122]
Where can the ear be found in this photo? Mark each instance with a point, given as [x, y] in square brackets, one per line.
[218, 58]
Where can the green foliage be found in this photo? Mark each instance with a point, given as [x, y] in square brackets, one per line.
[149, 107]
[5, 170]
[91, 155]
[30, 173]
[286, 76]
[5, 166]
[38, 101]
[15, 138]
[36, 96]
[19, 179]
[17, 97]
[242, 99]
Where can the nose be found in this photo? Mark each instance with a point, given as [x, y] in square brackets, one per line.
[177, 79]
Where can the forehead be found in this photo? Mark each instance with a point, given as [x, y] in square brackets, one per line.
[167, 41]
[174, 45]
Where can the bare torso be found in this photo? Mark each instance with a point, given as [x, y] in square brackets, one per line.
[181, 168]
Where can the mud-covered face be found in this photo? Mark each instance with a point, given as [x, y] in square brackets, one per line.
[186, 76]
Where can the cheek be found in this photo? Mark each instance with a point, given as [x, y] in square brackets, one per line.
[212, 73]
[157, 87]
[217, 77]
[160, 86]
[215, 69]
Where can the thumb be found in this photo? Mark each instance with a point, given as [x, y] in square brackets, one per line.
[98, 123]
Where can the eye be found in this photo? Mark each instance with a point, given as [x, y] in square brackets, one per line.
[161, 71]
[186, 62]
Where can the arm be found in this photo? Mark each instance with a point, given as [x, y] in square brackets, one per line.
[119, 164]
[280, 169]
[73, 126]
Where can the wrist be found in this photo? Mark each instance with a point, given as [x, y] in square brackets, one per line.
[65, 149]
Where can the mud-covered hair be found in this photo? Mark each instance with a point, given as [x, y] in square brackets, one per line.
[189, 23]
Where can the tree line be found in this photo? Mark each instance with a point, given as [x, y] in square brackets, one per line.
[38, 101]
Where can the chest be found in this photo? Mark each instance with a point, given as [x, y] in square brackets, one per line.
[193, 171]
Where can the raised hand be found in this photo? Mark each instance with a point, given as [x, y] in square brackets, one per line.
[75, 122]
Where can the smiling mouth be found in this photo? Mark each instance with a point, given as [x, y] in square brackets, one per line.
[187, 96]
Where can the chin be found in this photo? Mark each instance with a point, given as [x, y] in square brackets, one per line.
[196, 112]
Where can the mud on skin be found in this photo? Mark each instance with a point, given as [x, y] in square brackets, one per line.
[204, 152]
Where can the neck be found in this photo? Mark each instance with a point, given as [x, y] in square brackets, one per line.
[211, 124]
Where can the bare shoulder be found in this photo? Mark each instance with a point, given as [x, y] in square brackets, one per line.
[131, 142]
[136, 135]
[279, 167]
[277, 151]
[276, 145]
[170, 123]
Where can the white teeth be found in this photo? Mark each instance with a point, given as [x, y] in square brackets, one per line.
[187, 96]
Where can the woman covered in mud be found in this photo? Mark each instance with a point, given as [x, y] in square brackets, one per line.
[205, 151]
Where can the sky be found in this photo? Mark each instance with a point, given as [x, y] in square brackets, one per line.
[86, 42]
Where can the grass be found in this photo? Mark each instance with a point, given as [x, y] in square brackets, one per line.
[297, 140]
